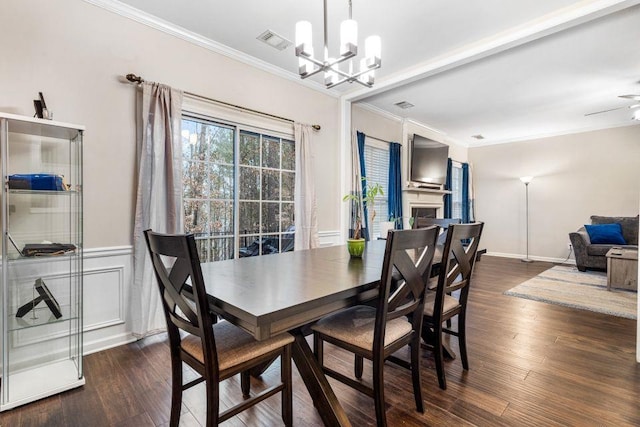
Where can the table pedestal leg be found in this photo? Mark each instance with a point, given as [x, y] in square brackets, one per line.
[322, 394]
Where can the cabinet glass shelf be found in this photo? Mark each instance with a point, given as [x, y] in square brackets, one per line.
[40, 316]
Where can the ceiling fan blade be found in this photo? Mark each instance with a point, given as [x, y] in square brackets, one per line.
[604, 111]
[634, 97]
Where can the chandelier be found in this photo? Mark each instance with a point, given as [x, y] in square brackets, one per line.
[308, 65]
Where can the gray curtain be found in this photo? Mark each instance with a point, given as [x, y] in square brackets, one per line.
[306, 220]
[159, 195]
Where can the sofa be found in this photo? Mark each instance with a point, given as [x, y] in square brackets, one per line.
[593, 256]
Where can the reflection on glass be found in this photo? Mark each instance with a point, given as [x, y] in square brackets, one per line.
[249, 183]
[270, 185]
[288, 155]
[288, 185]
[270, 217]
[196, 218]
[221, 179]
[221, 248]
[270, 152]
[221, 218]
[249, 149]
[286, 216]
[249, 217]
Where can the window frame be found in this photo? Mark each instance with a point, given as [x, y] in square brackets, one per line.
[199, 111]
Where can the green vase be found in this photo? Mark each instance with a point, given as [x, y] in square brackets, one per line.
[355, 247]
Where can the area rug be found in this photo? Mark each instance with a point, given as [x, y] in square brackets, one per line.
[566, 286]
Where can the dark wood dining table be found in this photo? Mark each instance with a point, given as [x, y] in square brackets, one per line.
[272, 294]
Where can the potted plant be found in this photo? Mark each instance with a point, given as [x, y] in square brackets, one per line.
[356, 243]
[385, 226]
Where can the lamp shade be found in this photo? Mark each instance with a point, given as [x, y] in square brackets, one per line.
[526, 179]
[373, 47]
[348, 37]
[303, 36]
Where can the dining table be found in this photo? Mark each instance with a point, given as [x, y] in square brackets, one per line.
[286, 292]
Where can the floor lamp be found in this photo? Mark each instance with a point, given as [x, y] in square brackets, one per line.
[527, 180]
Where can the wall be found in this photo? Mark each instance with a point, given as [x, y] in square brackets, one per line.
[76, 54]
[576, 176]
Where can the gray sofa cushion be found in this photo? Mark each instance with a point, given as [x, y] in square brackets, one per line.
[598, 250]
[629, 226]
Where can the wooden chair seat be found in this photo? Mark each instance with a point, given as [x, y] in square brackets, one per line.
[234, 346]
[450, 303]
[356, 326]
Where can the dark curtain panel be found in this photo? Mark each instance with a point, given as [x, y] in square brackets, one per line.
[365, 221]
[395, 184]
[447, 186]
[466, 217]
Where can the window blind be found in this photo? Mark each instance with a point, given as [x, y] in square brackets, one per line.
[376, 161]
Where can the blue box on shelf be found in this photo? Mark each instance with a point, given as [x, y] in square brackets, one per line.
[37, 181]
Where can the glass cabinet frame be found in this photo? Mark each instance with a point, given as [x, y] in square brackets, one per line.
[42, 258]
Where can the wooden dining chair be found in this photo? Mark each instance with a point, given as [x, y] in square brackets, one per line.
[375, 333]
[451, 294]
[216, 351]
[443, 223]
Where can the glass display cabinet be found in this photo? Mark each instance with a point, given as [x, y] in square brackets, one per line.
[41, 288]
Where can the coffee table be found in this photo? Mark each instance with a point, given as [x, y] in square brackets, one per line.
[622, 268]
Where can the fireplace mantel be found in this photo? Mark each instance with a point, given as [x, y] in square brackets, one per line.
[426, 190]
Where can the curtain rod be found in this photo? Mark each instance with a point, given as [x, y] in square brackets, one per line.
[137, 79]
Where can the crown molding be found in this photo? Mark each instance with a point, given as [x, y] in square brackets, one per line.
[166, 27]
[549, 135]
[379, 111]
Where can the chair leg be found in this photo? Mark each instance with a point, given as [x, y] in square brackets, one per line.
[378, 392]
[462, 340]
[176, 391]
[213, 402]
[245, 383]
[285, 376]
[318, 349]
[439, 357]
[415, 373]
[358, 364]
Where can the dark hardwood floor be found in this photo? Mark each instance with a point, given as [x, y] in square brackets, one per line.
[531, 364]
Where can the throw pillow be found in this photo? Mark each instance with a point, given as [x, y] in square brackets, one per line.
[605, 234]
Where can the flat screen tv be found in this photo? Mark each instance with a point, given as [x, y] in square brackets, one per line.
[428, 161]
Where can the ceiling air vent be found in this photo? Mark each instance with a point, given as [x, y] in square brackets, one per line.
[404, 105]
[478, 137]
[274, 40]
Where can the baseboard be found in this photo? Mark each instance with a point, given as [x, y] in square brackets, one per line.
[570, 261]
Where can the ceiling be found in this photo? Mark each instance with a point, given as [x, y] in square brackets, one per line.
[508, 71]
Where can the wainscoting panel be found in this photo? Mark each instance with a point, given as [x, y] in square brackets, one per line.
[108, 274]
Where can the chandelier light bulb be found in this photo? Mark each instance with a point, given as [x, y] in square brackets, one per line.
[348, 37]
[304, 37]
[373, 49]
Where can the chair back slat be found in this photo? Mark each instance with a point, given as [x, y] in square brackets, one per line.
[458, 260]
[176, 265]
[405, 272]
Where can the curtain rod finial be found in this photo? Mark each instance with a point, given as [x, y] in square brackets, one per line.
[316, 127]
[134, 79]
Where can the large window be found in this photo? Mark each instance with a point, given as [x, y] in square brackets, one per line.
[238, 190]
[376, 159]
